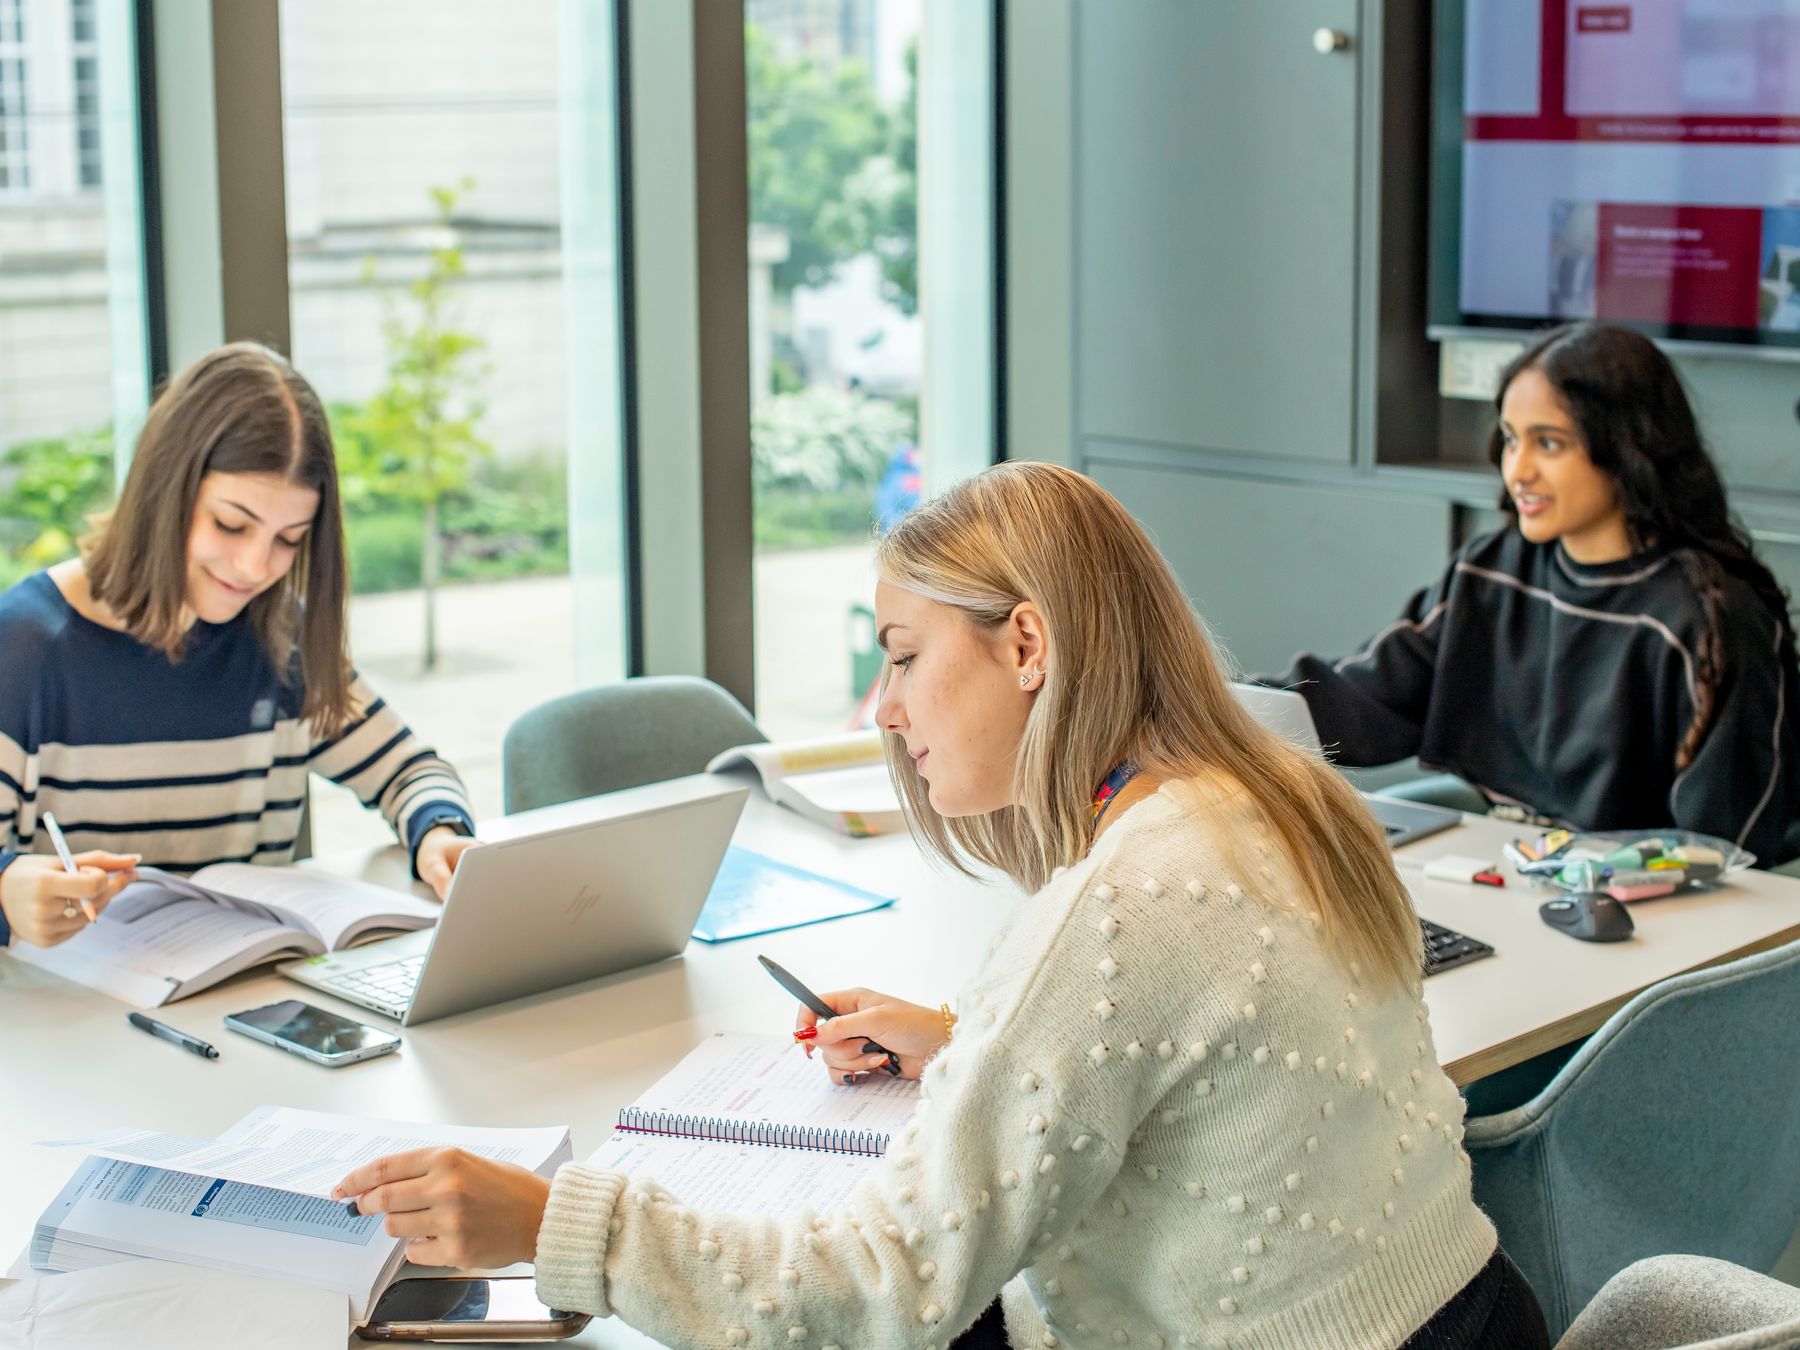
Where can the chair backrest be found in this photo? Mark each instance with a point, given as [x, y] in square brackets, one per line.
[1691, 1302]
[1676, 1128]
[618, 736]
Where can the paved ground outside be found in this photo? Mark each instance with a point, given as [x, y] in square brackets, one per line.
[505, 647]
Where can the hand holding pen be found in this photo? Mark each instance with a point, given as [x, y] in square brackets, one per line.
[49, 900]
[859, 1030]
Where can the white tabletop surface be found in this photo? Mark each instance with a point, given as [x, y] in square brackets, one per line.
[573, 1057]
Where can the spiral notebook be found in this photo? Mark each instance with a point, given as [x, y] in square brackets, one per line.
[747, 1124]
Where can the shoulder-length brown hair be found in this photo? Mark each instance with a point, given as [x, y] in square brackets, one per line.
[239, 409]
[1131, 675]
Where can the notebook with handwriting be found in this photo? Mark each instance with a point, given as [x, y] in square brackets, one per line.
[748, 1124]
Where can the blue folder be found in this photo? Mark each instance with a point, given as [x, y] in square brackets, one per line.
[753, 894]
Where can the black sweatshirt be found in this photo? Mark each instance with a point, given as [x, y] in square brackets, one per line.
[1566, 689]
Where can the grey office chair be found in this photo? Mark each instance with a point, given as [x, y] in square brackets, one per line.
[1675, 1128]
[1692, 1302]
[619, 736]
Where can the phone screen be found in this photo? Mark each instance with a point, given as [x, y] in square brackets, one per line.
[503, 1300]
[314, 1028]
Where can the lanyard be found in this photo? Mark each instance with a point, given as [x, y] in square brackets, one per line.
[1111, 786]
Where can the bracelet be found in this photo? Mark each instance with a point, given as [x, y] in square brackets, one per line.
[949, 1020]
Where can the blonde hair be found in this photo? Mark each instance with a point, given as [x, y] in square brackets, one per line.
[1132, 675]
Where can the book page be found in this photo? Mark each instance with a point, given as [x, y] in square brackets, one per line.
[723, 1178]
[768, 1079]
[308, 1152]
[334, 908]
[154, 889]
[149, 953]
[116, 1207]
[864, 790]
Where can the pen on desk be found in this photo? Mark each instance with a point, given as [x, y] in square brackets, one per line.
[168, 1033]
[68, 862]
[824, 1010]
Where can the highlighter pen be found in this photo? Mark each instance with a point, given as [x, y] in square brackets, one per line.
[825, 1010]
[169, 1033]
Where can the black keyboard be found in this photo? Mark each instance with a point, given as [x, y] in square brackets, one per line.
[1444, 947]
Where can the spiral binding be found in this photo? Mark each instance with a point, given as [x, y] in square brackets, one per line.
[813, 1138]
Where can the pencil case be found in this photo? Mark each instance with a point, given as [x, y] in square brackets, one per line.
[1629, 864]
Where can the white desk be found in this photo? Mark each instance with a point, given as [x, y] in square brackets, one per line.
[72, 1065]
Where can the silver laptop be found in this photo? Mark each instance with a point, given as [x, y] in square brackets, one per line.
[1285, 713]
[549, 909]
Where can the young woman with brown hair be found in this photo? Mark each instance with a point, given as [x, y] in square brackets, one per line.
[1190, 1097]
[1617, 656]
[165, 695]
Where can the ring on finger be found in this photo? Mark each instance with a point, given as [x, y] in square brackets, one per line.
[69, 910]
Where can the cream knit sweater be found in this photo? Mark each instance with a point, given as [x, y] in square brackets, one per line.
[1167, 1111]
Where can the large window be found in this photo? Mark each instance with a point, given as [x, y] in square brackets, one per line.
[15, 60]
[73, 366]
[452, 296]
[855, 365]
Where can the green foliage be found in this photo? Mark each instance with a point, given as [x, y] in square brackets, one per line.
[416, 442]
[418, 438]
[889, 189]
[51, 487]
[513, 522]
[787, 519]
[385, 548]
[809, 132]
[824, 440]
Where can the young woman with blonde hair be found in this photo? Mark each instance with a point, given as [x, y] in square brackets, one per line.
[1190, 1097]
[165, 695]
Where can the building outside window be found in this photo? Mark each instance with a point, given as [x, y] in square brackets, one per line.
[73, 364]
[15, 169]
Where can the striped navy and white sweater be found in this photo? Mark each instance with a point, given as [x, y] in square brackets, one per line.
[187, 763]
[1567, 688]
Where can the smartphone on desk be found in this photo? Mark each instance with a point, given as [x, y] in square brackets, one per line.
[317, 1034]
[500, 1308]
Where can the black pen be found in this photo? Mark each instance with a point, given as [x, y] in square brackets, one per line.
[825, 1010]
[169, 1033]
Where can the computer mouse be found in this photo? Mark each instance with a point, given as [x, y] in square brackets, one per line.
[1589, 915]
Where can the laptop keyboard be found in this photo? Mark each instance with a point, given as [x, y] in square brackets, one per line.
[389, 985]
[1444, 947]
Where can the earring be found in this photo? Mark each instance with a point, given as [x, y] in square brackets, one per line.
[1033, 674]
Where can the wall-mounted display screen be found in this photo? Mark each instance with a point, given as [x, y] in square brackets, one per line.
[1634, 162]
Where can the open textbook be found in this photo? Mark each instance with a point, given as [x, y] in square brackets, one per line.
[840, 781]
[259, 1208]
[749, 1125]
[165, 937]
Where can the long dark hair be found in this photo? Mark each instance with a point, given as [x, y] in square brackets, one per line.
[1627, 401]
[240, 408]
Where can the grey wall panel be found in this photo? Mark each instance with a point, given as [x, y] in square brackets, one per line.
[1215, 249]
[1747, 412]
[1279, 568]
